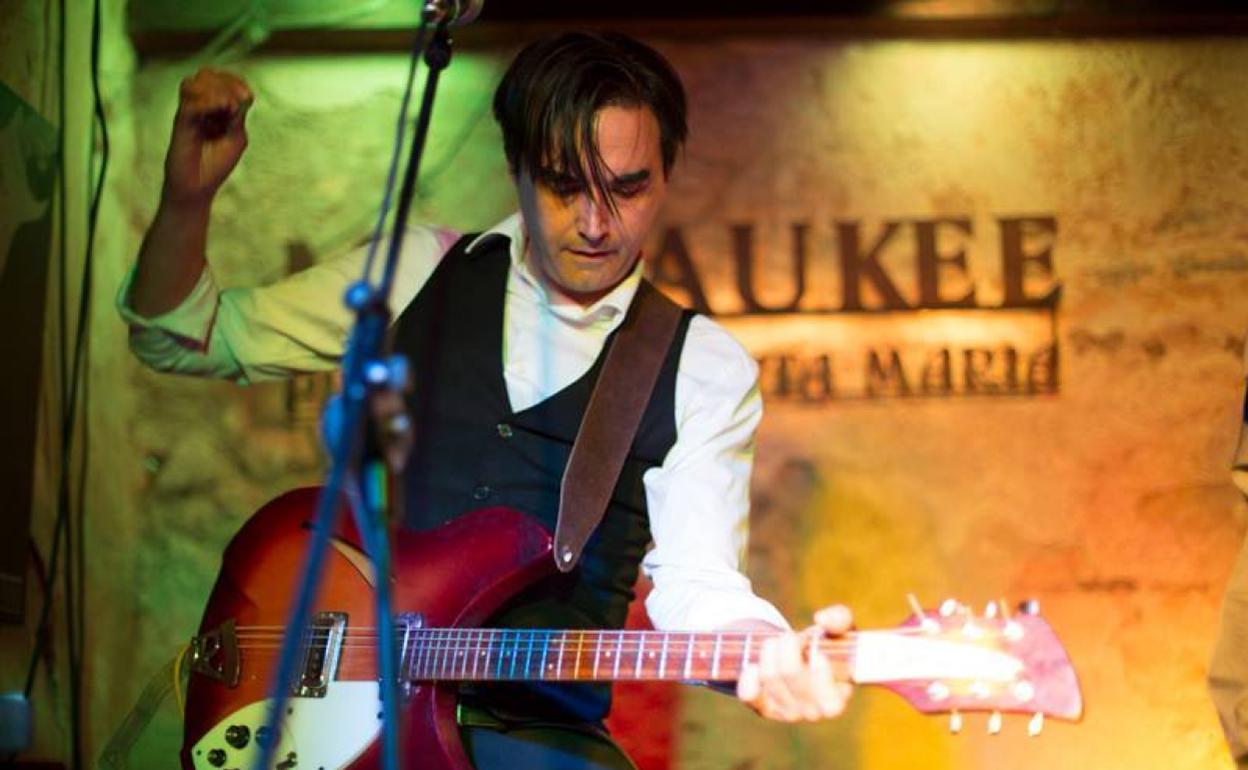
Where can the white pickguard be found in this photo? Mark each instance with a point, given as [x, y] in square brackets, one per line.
[326, 732]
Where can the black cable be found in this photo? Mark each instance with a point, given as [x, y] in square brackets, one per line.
[73, 386]
[76, 564]
[418, 46]
[41, 629]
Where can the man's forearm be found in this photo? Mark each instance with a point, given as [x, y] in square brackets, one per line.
[171, 258]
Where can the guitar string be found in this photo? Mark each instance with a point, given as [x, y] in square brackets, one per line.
[625, 648]
[252, 632]
[658, 638]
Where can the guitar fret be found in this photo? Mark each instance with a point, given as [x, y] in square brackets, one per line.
[443, 670]
[545, 651]
[528, 658]
[502, 653]
[413, 665]
[460, 651]
[515, 654]
[476, 652]
[619, 653]
[580, 643]
[431, 652]
[689, 657]
[641, 653]
[563, 639]
[597, 654]
[663, 659]
[432, 661]
[745, 653]
[719, 639]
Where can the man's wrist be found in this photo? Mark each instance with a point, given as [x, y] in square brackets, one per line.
[184, 207]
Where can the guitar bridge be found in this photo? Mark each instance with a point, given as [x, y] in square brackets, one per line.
[321, 652]
[215, 654]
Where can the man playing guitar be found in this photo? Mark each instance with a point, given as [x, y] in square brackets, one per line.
[591, 128]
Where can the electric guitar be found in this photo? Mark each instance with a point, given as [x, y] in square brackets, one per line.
[945, 660]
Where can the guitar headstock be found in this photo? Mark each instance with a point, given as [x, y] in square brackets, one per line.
[950, 660]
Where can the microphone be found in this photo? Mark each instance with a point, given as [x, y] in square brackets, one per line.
[453, 13]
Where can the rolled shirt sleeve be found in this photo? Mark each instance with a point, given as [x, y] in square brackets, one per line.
[699, 497]
[298, 324]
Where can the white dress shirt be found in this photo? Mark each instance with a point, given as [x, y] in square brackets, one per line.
[698, 499]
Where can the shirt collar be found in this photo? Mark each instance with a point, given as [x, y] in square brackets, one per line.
[610, 307]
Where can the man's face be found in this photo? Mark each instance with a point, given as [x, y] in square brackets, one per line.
[577, 245]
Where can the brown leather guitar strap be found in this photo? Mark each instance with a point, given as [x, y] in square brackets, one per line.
[611, 420]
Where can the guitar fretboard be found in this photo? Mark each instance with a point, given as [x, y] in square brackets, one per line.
[562, 655]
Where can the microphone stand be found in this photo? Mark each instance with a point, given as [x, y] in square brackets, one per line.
[362, 449]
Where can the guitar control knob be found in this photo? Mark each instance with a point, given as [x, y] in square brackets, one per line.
[216, 757]
[237, 736]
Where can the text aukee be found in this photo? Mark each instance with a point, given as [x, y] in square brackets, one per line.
[940, 279]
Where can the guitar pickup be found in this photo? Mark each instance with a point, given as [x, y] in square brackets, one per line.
[322, 649]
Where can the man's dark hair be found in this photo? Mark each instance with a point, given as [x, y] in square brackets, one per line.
[549, 96]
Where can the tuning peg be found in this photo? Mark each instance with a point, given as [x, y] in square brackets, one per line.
[1036, 724]
[938, 691]
[948, 607]
[990, 610]
[994, 723]
[955, 722]
[926, 624]
[1024, 691]
[1029, 607]
[1013, 630]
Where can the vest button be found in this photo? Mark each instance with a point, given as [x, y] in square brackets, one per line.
[504, 430]
[481, 492]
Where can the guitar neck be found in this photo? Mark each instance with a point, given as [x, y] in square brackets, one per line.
[590, 655]
[938, 662]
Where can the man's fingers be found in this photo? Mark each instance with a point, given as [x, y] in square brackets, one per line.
[214, 100]
[747, 684]
[242, 92]
[794, 679]
[787, 685]
[835, 620]
[829, 694]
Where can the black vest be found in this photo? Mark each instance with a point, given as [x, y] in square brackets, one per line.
[472, 450]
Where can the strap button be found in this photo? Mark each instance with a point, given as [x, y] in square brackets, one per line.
[504, 430]
[481, 492]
